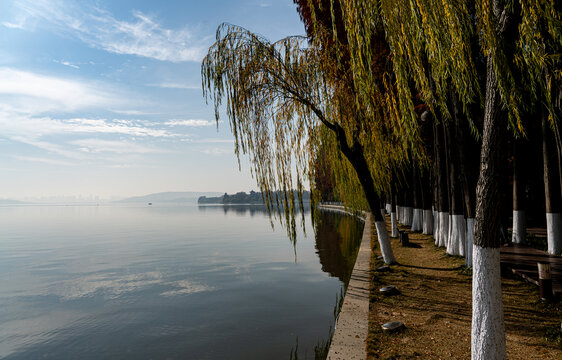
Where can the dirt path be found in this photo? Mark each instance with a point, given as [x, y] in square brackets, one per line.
[435, 305]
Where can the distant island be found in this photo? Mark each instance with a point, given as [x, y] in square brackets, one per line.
[242, 198]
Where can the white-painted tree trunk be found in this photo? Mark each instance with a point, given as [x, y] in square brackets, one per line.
[554, 233]
[457, 235]
[448, 245]
[394, 224]
[443, 228]
[450, 236]
[488, 330]
[519, 227]
[469, 240]
[408, 215]
[417, 220]
[399, 214]
[388, 208]
[436, 227]
[428, 222]
[384, 242]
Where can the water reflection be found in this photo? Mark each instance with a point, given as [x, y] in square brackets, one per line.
[337, 240]
[166, 282]
[242, 210]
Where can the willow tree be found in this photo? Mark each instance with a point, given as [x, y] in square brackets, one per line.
[279, 97]
[430, 41]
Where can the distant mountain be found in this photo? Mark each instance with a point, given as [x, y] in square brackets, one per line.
[10, 202]
[176, 197]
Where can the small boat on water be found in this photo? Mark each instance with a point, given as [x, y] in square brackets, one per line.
[149, 203]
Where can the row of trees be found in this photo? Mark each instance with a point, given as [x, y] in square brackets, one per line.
[398, 98]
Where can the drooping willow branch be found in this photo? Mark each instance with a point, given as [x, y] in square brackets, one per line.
[277, 96]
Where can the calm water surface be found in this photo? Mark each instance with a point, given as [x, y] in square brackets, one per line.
[167, 282]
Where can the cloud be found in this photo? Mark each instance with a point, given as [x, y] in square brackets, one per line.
[217, 151]
[143, 36]
[67, 63]
[43, 160]
[132, 112]
[28, 92]
[10, 25]
[119, 147]
[189, 122]
[50, 147]
[33, 127]
[215, 141]
[18, 23]
[176, 86]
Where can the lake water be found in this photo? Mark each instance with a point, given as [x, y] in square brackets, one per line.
[167, 282]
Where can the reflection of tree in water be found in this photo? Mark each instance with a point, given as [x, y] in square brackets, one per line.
[337, 240]
[241, 210]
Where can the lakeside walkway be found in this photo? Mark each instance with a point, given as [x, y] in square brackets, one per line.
[436, 296]
[522, 261]
[352, 326]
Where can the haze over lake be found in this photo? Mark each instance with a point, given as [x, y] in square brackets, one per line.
[167, 281]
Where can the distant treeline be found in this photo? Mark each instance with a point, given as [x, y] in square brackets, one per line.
[244, 198]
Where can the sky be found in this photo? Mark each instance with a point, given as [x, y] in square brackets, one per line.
[103, 98]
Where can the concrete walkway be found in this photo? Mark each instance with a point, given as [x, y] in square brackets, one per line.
[352, 325]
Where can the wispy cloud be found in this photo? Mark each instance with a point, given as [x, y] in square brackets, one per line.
[67, 63]
[98, 28]
[119, 147]
[215, 141]
[31, 92]
[189, 122]
[167, 85]
[217, 151]
[11, 25]
[43, 160]
[48, 146]
[17, 23]
[33, 127]
[132, 112]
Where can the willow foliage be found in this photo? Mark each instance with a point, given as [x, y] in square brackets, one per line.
[278, 97]
[430, 41]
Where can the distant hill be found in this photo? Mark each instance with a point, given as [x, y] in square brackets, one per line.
[169, 197]
[10, 202]
[242, 198]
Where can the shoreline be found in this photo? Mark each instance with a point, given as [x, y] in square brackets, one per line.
[352, 325]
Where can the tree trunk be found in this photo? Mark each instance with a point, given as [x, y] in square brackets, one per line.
[357, 159]
[417, 215]
[393, 217]
[435, 188]
[552, 191]
[428, 221]
[519, 224]
[442, 231]
[488, 330]
[457, 226]
[406, 207]
[468, 168]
